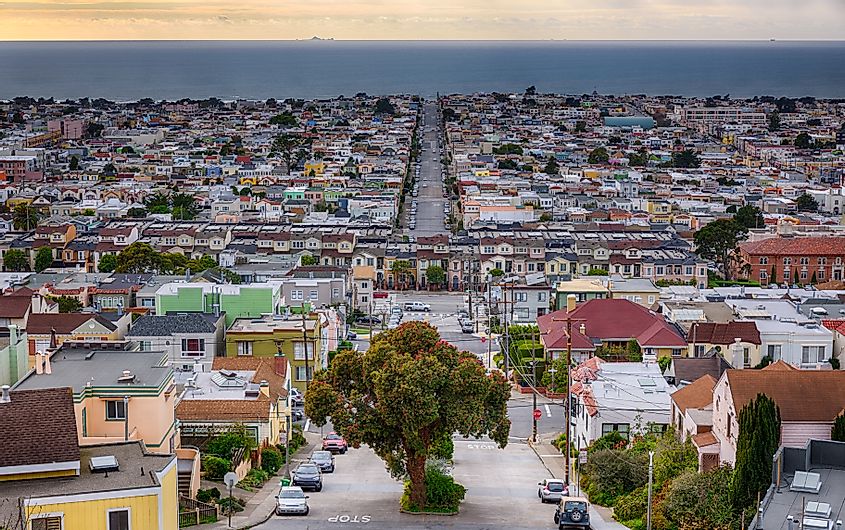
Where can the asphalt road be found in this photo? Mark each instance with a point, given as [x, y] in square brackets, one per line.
[430, 201]
[501, 493]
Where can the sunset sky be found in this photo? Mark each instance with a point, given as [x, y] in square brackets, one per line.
[422, 19]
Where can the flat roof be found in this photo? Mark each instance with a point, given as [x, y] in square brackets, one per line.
[785, 502]
[270, 324]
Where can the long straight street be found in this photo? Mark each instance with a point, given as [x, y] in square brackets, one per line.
[430, 201]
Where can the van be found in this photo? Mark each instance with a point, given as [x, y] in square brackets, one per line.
[416, 306]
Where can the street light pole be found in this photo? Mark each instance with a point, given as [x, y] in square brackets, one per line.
[650, 474]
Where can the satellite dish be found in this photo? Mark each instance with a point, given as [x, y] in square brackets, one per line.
[230, 479]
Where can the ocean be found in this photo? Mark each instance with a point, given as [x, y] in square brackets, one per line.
[129, 70]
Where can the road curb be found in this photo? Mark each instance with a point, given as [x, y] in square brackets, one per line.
[403, 510]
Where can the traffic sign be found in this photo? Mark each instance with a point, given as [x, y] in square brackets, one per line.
[537, 414]
[582, 456]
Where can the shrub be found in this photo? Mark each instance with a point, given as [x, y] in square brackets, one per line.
[443, 448]
[271, 460]
[701, 501]
[225, 444]
[237, 505]
[631, 506]
[613, 473]
[611, 440]
[209, 495]
[443, 494]
[254, 479]
[215, 467]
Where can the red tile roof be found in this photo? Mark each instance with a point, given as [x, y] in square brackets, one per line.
[799, 246]
[724, 333]
[696, 395]
[801, 395]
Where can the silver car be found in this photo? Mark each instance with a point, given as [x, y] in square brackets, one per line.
[291, 500]
[552, 490]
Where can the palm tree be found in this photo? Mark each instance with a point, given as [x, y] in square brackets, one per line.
[399, 269]
[25, 217]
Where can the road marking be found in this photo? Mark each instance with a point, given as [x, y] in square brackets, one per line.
[350, 519]
[485, 447]
[548, 412]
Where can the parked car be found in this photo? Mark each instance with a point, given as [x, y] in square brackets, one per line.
[296, 415]
[368, 320]
[467, 327]
[296, 397]
[308, 476]
[380, 294]
[324, 459]
[416, 306]
[551, 490]
[572, 512]
[291, 499]
[351, 335]
[334, 443]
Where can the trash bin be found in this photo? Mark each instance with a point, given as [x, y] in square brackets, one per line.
[285, 481]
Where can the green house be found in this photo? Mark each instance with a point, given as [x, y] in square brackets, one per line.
[237, 301]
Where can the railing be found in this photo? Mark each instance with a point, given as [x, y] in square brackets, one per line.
[193, 512]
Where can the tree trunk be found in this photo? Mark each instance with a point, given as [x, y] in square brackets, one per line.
[416, 472]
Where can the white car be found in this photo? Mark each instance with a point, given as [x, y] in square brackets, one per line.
[291, 500]
[416, 306]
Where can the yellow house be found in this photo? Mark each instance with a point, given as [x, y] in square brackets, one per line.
[48, 482]
[317, 166]
[118, 395]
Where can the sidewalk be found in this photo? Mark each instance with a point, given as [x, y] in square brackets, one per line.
[555, 463]
[262, 504]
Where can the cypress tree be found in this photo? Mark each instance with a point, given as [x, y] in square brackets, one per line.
[837, 433]
[757, 441]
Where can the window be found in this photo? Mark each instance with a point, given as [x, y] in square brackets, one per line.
[746, 360]
[812, 354]
[805, 261]
[193, 347]
[299, 350]
[118, 519]
[541, 296]
[821, 273]
[115, 410]
[688, 271]
[53, 522]
[302, 372]
[803, 275]
[313, 294]
[145, 345]
[764, 275]
[296, 295]
[822, 261]
[699, 350]
[764, 261]
[787, 261]
[786, 274]
[335, 292]
[244, 347]
[650, 299]
[773, 351]
[621, 428]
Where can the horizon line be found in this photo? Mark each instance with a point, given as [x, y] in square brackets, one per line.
[330, 39]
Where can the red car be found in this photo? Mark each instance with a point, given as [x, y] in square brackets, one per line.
[380, 294]
[335, 443]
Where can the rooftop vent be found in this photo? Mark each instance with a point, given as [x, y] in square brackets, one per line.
[103, 464]
[126, 377]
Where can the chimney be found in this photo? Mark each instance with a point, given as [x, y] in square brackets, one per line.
[6, 398]
[47, 368]
[39, 367]
[279, 364]
[264, 387]
[570, 303]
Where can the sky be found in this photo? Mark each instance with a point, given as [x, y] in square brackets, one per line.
[422, 19]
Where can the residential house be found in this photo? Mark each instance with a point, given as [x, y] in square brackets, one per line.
[248, 391]
[799, 260]
[236, 301]
[639, 290]
[583, 288]
[118, 393]
[738, 342]
[191, 340]
[47, 481]
[14, 358]
[268, 336]
[628, 398]
[50, 330]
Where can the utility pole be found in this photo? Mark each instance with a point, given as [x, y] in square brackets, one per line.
[370, 318]
[507, 334]
[650, 474]
[305, 346]
[489, 328]
[570, 305]
[534, 393]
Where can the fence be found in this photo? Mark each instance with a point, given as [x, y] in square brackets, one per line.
[193, 512]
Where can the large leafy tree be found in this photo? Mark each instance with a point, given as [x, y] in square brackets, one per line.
[108, 263]
[184, 206]
[43, 258]
[749, 216]
[137, 258]
[15, 260]
[757, 441]
[400, 268]
[717, 241]
[806, 203]
[406, 392]
[435, 275]
[599, 155]
[25, 217]
[288, 146]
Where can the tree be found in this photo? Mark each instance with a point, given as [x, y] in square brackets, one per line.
[15, 260]
[74, 163]
[400, 269]
[837, 433]
[435, 275]
[496, 273]
[68, 304]
[806, 203]
[108, 263]
[137, 213]
[638, 159]
[580, 126]
[404, 394]
[545, 217]
[109, 170]
[685, 159]
[184, 206]
[138, 258]
[285, 119]
[25, 217]
[718, 240]
[803, 141]
[552, 167]
[287, 145]
[556, 380]
[749, 216]
[757, 441]
[308, 259]
[774, 121]
[598, 155]
[384, 106]
[701, 501]
[43, 259]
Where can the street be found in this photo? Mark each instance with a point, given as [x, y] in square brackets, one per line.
[430, 199]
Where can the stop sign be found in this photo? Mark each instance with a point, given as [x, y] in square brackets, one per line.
[483, 340]
[537, 414]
